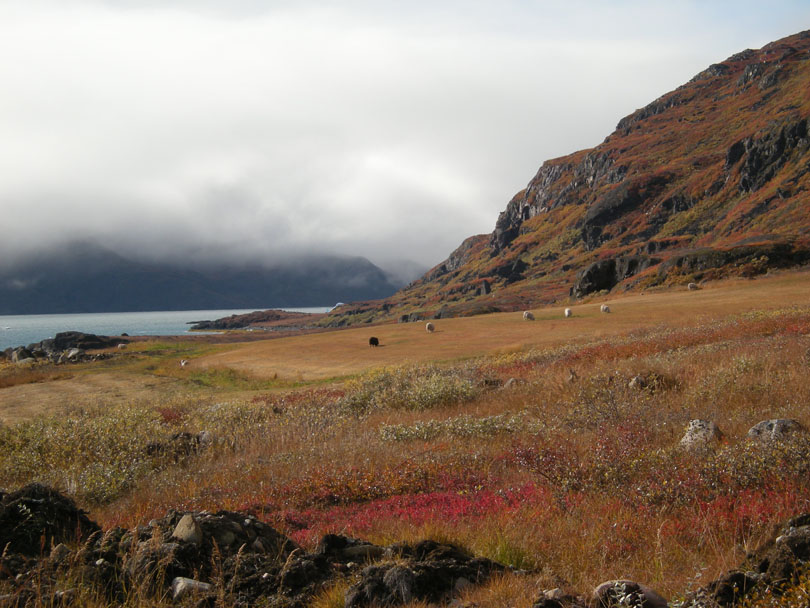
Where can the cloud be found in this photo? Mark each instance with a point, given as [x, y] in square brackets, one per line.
[267, 129]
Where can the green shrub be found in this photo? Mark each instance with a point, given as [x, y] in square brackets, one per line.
[460, 426]
[412, 388]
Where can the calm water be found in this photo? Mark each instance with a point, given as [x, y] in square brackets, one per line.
[21, 330]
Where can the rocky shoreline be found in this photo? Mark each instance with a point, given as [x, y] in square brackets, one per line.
[64, 347]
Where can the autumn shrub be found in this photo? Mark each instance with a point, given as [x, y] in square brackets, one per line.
[463, 426]
[418, 387]
[95, 455]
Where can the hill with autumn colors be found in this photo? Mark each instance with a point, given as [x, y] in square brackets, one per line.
[710, 180]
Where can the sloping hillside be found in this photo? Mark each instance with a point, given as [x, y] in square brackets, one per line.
[709, 180]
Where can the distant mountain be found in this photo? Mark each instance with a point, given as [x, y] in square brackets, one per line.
[709, 180]
[88, 278]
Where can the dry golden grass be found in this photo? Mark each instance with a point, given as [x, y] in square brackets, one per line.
[346, 352]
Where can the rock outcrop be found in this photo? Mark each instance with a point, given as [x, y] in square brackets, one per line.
[211, 556]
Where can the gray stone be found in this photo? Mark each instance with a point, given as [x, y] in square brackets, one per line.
[19, 355]
[181, 587]
[60, 554]
[692, 287]
[620, 593]
[776, 429]
[188, 530]
[701, 435]
[74, 353]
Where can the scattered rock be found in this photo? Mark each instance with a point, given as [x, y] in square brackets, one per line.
[557, 598]
[692, 287]
[181, 587]
[777, 429]
[776, 562]
[21, 354]
[701, 435]
[427, 571]
[619, 593]
[188, 530]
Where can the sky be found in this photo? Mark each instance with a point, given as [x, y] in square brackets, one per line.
[255, 130]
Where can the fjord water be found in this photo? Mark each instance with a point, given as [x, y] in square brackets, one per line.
[21, 330]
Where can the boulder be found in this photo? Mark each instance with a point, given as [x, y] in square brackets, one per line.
[776, 562]
[181, 587]
[37, 514]
[776, 429]
[701, 435]
[427, 571]
[188, 530]
[620, 593]
[19, 355]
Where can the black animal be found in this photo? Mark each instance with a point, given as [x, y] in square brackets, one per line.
[372, 341]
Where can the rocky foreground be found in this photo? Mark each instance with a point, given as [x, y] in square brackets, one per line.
[64, 347]
[55, 555]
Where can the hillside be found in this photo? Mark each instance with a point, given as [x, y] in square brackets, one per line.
[708, 180]
[665, 443]
[88, 278]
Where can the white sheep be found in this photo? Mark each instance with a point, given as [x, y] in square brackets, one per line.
[122, 346]
[604, 308]
[429, 327]
[568, 312]
[183, 362]
[528, 316]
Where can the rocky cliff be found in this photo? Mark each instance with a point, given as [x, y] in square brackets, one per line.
[709, 180]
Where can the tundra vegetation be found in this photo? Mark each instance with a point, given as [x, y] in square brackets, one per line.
[571, 479]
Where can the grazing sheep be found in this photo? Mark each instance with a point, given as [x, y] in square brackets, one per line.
[528, 316]
[183, 362]
[429, 328]
[372, 341]
[604, 308]
[692, 287]
[122, 346]
[568, 312]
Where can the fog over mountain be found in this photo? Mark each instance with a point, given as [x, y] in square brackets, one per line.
[180, 132]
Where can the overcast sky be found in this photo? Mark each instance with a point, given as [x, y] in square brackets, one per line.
[259, 129]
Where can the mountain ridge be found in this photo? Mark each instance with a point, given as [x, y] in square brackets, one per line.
[709, 180]
[83, 277]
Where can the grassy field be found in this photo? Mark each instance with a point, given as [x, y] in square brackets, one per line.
[573, 472]
[346, 352]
